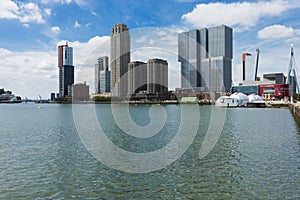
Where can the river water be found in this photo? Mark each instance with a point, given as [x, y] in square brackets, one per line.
[257, 156]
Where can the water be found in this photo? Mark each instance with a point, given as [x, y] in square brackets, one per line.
[42, 157]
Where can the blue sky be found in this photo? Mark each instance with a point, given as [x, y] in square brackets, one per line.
[31, 30]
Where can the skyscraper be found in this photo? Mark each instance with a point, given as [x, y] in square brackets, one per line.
[102, 76]
[66, 69]
[157, 76]
[206, 57]
[248, 67]
[137, 77]
[120, 57]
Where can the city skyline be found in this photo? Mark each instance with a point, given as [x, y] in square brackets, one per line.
[32, 30]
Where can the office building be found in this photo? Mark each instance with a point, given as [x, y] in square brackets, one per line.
[157, 76]
[104, 81]
[66, 69]
[120, 57]
[137, 77]
[80, 92]
[206, 59]
[102, 76]
[248, 66]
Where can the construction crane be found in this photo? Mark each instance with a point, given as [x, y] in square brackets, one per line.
[256, 66]
[292, 78]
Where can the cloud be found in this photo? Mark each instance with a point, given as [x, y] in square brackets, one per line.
[94, 13]
[275, 32]
[76, 24]
[29, 73]
[240, 15]
[33, 73]
[47, 11]
[56, 1]
[55, 29]
[24, 12]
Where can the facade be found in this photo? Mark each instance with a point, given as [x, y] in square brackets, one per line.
[101, 67]
[206, 58]
[137, 77]
[80, 92]
[157, 76]
[104, 81]
[67, 79]
[66, 69]
[277, 78]
[245, 89]
[248, 66]
[274, 91]
[120, 57]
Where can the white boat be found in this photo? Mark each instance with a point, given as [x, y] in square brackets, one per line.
[227, 101]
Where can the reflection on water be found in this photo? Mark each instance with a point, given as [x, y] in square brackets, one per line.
[256, 157]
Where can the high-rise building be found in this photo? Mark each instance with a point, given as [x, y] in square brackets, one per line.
[104, 81]
[66, 69]
[248, 66]
[157, 76]
[102, 76]
[120, 57]
[80, 92]
[137, 77]
[206, 58]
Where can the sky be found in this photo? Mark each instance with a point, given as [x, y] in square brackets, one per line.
[31, 30]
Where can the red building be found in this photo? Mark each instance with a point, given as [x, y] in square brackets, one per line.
[274, 91]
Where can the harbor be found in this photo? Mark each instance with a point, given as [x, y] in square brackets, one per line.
[247, 162]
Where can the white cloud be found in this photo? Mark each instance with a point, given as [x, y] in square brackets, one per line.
[55, 29]
[275, 32]
[30, 12]
[29, 73]
[240, 15]
[26, 25]
[25, 12]
[47, 11]
[56, 1]
[80, 2]
[34, 73]
[8, 9]
[94, 13]
[76, 24]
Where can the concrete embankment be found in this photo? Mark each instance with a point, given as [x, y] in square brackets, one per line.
[295, 109]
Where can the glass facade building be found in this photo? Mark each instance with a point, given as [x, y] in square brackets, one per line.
[102, 75]
[206, 58]
[66, 69]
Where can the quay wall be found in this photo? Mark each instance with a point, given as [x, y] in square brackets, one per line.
[295, 109]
